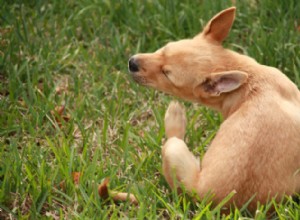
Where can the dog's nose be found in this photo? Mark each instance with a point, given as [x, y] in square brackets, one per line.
[133, 65]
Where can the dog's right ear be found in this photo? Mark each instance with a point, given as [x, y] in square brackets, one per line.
[219, 26]
[220, 82]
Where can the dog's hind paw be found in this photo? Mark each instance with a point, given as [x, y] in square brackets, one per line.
[175, 121]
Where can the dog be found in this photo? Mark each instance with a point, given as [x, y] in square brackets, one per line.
[255, 155]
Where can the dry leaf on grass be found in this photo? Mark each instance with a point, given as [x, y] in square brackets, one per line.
[105, 193]
[62, 185]
[59, 109]
[59, 115]
[103, 189]
[76, 177]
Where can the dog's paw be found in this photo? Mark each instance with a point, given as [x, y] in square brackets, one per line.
[175, 121]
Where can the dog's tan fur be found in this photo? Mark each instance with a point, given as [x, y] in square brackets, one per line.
[256, 151]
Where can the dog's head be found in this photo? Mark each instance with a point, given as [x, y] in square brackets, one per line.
[193, 68]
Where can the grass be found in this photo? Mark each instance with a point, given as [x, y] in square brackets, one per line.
[74, 54]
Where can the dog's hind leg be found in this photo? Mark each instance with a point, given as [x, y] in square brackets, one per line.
[179, 164]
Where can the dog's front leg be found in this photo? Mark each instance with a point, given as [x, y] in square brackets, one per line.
[179, 164]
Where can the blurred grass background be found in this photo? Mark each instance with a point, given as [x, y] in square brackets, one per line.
[67, 104]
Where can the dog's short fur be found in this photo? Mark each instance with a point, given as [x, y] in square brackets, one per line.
[256, 151]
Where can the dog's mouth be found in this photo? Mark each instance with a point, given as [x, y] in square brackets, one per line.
[138, 78]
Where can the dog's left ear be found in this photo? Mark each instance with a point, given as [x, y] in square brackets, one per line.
[219, 26]
[220, 82]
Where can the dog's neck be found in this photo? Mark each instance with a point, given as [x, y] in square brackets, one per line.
[229, 103]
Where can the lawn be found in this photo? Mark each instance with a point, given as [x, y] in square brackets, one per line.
[70, 116]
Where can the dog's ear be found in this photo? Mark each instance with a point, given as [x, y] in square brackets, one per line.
[220, 82]
[219, 26]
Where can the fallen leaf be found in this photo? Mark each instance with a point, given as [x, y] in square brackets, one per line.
[59, 109]
[121, 196]
[103, 189]
[104, 193]
[76, 177]
[59, 115]
[62, 185]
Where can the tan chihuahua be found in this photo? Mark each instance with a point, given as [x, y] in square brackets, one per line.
[256, 152]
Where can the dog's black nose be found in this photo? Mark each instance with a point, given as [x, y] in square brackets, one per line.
[133, 65]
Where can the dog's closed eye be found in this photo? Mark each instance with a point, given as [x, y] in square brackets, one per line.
[166, 71]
